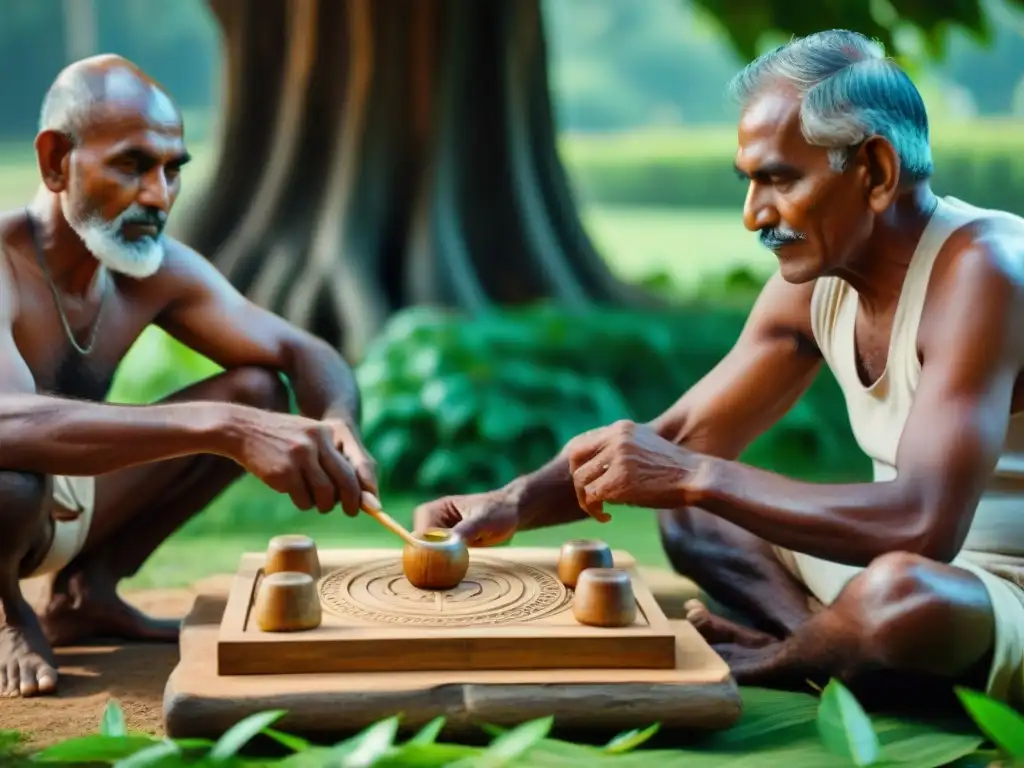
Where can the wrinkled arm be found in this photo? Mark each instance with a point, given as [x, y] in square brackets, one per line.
[755, 384]
[211, 317]
[950, 443]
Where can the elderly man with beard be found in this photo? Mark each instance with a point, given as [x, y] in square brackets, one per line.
[89, 489]
[915, 302]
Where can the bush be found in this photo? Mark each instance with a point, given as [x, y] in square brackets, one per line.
[980, 162]
[452, 404]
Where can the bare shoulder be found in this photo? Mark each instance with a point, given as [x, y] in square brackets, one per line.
[976, 290]
[184, 273]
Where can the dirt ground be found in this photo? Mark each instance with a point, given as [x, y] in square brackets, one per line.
[135, 675]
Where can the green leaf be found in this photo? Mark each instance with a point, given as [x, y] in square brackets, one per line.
[428, 733]
[112, 723]
[294, 743]
[241, 733]
[630, 740]
[514, 743]
[844, 726]
[1000, 723]
[366, 747]
[9, 741]
[157, 754]
[94, 749]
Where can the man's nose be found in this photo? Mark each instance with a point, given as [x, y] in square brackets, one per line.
[758, 212]
[155, 191]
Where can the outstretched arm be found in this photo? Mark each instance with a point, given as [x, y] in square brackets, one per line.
[972, 342]
[755, 384]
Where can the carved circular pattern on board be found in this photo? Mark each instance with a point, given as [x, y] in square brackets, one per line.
[493, 592]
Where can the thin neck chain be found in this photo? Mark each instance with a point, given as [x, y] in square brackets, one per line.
[87, 349]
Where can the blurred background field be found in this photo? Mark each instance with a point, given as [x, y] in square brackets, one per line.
[647, 138]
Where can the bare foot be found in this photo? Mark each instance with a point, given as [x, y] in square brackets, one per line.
[27, 667]
[716, 630]
[87, 612]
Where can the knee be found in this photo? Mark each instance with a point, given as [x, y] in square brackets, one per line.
[897, 605]
[22, 501]
[258, 387]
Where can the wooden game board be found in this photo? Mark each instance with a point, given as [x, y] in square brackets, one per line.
[383, 648]
[509, 612]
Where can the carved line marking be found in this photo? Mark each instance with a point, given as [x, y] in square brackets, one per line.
[345, 593]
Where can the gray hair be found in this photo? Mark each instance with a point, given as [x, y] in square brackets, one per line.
[850, 92]
[68, 104]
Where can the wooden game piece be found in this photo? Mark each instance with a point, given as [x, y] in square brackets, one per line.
[604, 598]
[287, 601]
[578, 555]
[438, 560]
[292, 553]
[509, 612]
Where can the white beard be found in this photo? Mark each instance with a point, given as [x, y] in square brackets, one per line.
[138, 259]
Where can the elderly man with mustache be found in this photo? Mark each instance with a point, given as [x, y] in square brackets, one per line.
[88, 489]
[915, 303]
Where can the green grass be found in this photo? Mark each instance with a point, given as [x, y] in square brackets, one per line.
[688, 246]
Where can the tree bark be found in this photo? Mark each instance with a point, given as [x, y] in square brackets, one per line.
[378, 155]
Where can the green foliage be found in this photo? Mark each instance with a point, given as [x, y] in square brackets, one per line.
[793, 730]
[981, 162]
[452, 404]
[1000, 723]
[747, 24]
[845, 727]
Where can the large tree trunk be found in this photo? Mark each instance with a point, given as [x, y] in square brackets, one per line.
[376, 155]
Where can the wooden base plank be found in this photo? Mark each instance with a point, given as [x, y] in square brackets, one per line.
[699, 694]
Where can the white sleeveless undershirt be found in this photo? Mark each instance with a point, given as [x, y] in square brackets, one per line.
[878, 413]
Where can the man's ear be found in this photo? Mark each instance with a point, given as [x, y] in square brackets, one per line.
[882, 172]
[53, 153]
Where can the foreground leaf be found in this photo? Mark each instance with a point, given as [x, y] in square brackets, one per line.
[1000, 723]
[366, 747]
[158, 754]
[112, 723]
[845, 727]
[241, 733]
[428, 733]
[294, 743]
[95, 749]
[514, 743]
[630, 740]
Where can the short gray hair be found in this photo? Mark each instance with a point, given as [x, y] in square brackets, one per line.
[850, 92]
[67, 105]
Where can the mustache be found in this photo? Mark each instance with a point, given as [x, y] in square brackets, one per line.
[139, 215]
[775, 237]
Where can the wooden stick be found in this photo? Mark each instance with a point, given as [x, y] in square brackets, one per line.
[372, 506]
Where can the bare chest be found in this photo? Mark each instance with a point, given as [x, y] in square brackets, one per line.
[872, 341]
[43, 330]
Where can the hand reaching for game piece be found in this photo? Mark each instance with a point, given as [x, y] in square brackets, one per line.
[317, 463]
[628, 463]
[479, 519]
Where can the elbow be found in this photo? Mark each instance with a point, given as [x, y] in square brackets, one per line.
[937, 534]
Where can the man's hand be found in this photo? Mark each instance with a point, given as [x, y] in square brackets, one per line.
[297, 456]
[479, 519]
[348, 441]
[628, 463]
